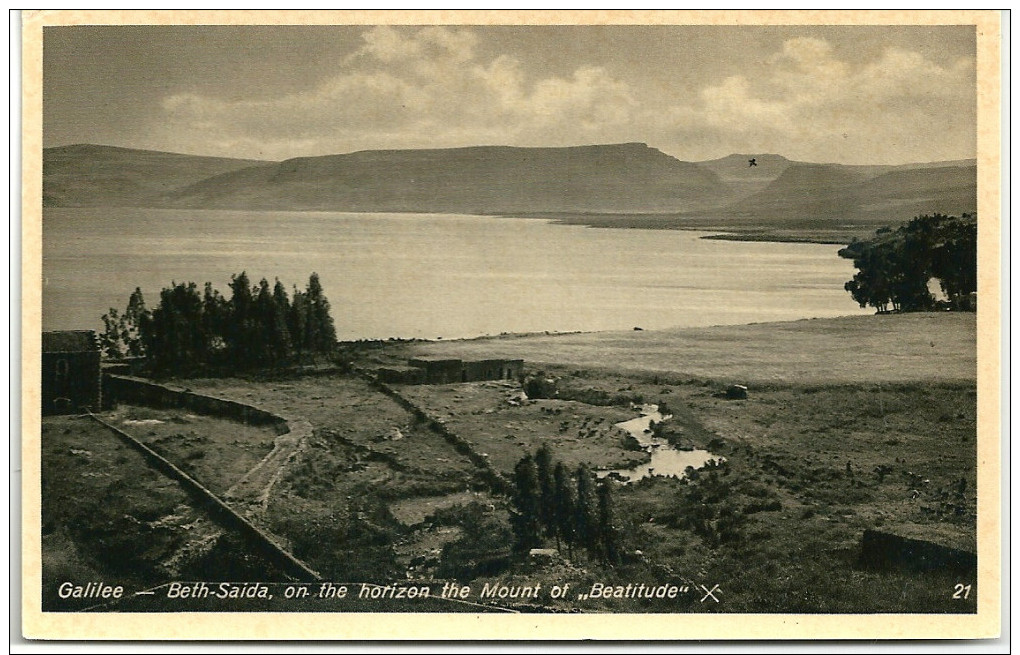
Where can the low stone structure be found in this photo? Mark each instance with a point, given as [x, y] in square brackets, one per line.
[400, 375]
[435, 370]
[123, 388]
[882, 549]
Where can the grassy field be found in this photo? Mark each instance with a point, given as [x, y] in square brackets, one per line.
[216, 451]
[889, 348]
[107, 515]
[503, 432]
[332, 504]
[850, 424]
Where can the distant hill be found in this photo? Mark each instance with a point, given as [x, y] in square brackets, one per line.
[630, 177]
[742, 178]
[621, 185]
[105, 176]
[863, 193]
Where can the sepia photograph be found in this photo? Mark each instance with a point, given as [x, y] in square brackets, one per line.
[584, 319]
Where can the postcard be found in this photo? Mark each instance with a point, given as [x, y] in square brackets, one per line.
[511, 325]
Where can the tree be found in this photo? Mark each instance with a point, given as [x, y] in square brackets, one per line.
[546, 489]
[895, 267]
[565, 507]
[135, 317]
[525, 517]
[110, 338]
[122, 333]
[320, 331]
[240, 334]
[175, 341]
[609, 533]
[274, 336]
[586, 526]
[954, 260]
[297, 322]
[282, 313]
[215, 321]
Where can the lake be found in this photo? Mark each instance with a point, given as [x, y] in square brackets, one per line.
[431, 275]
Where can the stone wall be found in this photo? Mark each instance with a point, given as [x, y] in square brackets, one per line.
[122, 388]
[222, 512]
[494, 478]
[450, 371]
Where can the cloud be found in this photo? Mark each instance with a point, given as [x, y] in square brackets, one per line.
[387, 44]
[813, 106]
[402, 88]
[432, 87]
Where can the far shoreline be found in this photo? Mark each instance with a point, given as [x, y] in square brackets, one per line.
[718, 231]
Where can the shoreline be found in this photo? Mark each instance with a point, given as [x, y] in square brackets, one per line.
[771, 231]
[510, 336]
[661, 222]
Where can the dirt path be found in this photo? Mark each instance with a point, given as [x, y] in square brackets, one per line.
[254, 487]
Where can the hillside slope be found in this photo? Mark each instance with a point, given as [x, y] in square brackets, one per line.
[485, 179]
[617, 185]
[88, 175]
[742, 178]
[825, 193]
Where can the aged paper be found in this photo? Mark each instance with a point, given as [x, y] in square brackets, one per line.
[173, 550]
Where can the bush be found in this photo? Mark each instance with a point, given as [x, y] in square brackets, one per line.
[539, 386]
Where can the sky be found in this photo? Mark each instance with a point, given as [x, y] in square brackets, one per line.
[847, 94]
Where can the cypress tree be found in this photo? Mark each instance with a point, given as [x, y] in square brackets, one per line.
[609, 534]
[215, 320]
[297, 322]
[281, 315]
[585, 517]
[565, 507]
[240, 333]
[525, 518]
[320, 329]
[267, 349]
[176, 340]
[134, 317]
[546, 489]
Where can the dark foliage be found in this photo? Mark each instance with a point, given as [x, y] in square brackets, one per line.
[895, 267]
[575, 510]
[258, 326]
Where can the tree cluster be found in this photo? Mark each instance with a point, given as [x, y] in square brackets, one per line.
[574, 509]
[121, 336]
[896, 266]
[257, 326]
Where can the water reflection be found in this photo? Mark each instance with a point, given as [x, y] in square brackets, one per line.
[666, 460]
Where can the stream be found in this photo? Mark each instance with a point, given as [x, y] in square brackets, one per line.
[666, 460]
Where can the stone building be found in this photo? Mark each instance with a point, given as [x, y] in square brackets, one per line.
[71, 376]
[436, 370]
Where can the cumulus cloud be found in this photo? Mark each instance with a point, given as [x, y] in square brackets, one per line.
[401, 88]
[431, 87]
[813, 106]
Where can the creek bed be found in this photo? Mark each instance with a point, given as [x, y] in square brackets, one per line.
[665, 460]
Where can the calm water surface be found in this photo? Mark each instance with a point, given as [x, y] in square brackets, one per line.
[666, 460]
[429, 275]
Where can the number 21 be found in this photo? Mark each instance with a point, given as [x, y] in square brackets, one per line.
[962, 591]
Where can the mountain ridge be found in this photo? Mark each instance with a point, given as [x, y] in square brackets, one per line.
[624, 178]
[476, 179]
